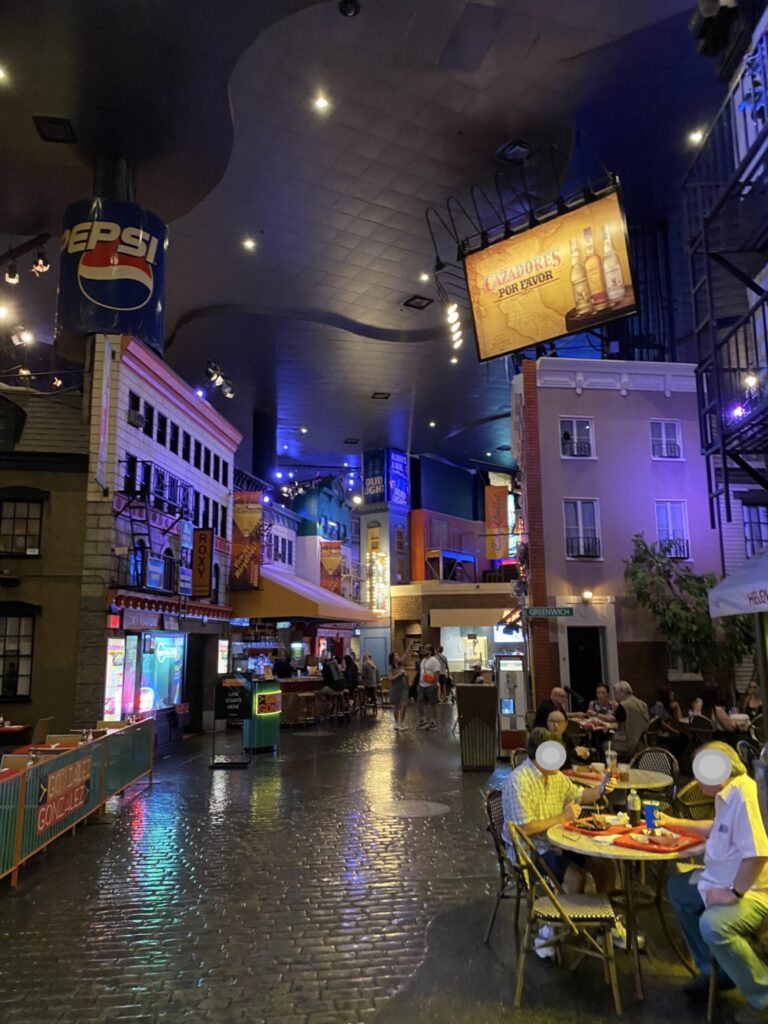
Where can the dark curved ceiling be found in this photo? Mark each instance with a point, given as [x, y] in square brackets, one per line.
[213, 107]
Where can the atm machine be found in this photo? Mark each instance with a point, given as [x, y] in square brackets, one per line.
[512, 684]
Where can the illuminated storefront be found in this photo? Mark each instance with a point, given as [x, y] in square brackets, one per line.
[159, 684]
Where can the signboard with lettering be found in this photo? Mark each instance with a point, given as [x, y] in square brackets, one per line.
[269, 703]
[62, 792]
[568, 274]
[543, 612]
[399, 484]
[374, 485]
[496, 528]
[202, 562]
[155, 579]
[233, 699]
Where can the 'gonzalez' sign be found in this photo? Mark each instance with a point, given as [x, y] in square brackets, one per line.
[63, 792]
[202, 562]
[112, 273]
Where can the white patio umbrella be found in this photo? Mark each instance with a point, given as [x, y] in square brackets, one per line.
[742, 591]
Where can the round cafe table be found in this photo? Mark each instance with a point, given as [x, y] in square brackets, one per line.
[595, 846]
[639, 778]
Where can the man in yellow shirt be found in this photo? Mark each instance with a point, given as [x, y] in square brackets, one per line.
[720, 907]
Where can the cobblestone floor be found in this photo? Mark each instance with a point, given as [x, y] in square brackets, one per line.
[287, 893]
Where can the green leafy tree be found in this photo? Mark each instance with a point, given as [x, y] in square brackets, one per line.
[677, 599]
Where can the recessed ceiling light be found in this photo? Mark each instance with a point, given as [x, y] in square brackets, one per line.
[321, 103]
[357, 500]
[423, 277]
[285, 447]
[453, 317]
[452, 308]
[249, 244]
[454, 359]
[3, 312]
[457, 342]
[304, 430]
[488, 455]
[432, 423]
[27, 337]
[696, 137]
[3, 75]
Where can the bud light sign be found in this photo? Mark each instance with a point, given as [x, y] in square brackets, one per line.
[112, 278]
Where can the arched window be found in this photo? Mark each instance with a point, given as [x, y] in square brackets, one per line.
[169, 571]
[215, 588]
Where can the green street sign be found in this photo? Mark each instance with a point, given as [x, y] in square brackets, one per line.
[549, 613]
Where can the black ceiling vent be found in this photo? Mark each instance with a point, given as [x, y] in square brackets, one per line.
[418, 302]
[381, 396]
[351, 440]
[55, 129]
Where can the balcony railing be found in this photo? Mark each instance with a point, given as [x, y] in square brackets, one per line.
[141, 569]
[149, 482]
[576, 449]
[676, 547]
[666, 450]
[577, 546]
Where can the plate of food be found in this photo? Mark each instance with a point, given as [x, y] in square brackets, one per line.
[599, 825]
[660, 840]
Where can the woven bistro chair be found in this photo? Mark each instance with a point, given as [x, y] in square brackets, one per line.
[702, 731]
[509, 873]
[692, 803]
[749, 753]
[518, 756]
[659, 759]
[757, 730]
[581, 922]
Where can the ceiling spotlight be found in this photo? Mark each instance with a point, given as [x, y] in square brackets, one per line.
[453, 307]
[453, 317]
[200, 393]
[488, 455]
[266, 499]
[457, 342]
[303, 430]
[25, 372]
[586, 596]
[432, 423]
[285, 447]
[696, 137]
[249, 244]
[321, 103]
[278, 474]
[41, 264]
[357, 500]
[423, 277]
[349, 8]
[750, 380]
[57, 382]
[3, 312]
[3, 75]
[454, 360]
[290, 476]
[12, 273]
[27, 337]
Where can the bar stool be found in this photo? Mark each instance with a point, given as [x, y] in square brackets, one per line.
[359, 703]
[306, 701]
[372, 700]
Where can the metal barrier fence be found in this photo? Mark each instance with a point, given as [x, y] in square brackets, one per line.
[43, 801]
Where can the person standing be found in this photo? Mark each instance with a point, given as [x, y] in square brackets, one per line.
[632, 718]
[398, 691]
[369, 678]
[445, 675]
[429, 680]
[720, 907]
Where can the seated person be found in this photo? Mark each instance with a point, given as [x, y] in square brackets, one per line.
[713, 708]
[752, 703]
[632, 720]
[602, 706]
[557, 723]
[535, 799]
[283, 667]
[477, 676]
[558, 699]
[333, 680]
[667, 706]
[720, 907]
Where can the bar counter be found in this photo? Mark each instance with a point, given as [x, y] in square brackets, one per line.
[298, 708]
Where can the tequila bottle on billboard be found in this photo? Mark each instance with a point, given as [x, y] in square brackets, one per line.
[614, 279]
[579, 281]
[593, 267]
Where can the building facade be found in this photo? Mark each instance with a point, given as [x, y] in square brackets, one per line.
[607, 450]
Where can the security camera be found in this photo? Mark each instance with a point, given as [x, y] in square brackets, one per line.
[349, 8]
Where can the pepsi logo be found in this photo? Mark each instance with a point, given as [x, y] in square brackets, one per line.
[114, 279]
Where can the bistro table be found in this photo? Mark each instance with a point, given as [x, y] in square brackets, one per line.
[11, 734]
[639, 778]
[594, 846]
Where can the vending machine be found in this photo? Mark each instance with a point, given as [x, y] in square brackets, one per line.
[512, 683]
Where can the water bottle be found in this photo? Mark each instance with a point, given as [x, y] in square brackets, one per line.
[634, 807]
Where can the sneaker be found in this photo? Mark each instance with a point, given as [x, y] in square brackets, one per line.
[751, 1015]
[431, 727]
[698, 989]
[619, 933]
[422, 725]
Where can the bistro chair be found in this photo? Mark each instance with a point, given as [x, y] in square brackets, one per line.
[702, 731]
[518, 756]
[530, 718]
[749, 753]
[658, 759]
[580, 922]
[692, 803]
[42, 727]
[652, 733]
[757, 730]
[509, 873]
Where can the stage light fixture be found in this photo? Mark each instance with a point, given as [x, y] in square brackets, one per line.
[249, 244]
[432, 424]
[454, 360]
[57, 382]
[303, 430]
[357, 500]
[41, 264]
[696, 137]
[12, 273]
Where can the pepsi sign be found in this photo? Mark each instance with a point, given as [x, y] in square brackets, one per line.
[112, 271]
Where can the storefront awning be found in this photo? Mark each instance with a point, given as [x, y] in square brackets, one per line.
[467, 616]
[283, 596]
[742, 591]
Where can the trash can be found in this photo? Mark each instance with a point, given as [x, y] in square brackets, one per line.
[478, 706]
[263, 731]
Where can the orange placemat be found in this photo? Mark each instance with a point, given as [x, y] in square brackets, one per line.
[612, 830]
[685, 840]
[574, 773]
